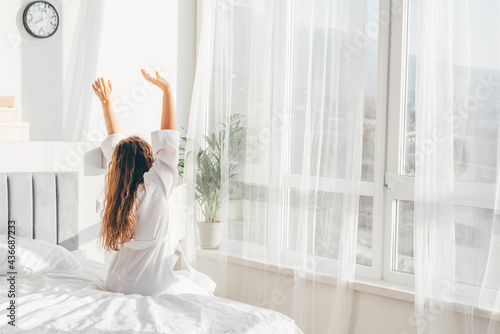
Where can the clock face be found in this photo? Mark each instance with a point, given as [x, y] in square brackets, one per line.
[40, 19]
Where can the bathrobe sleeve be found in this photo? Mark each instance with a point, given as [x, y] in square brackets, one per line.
[109, 144]
[162, 176]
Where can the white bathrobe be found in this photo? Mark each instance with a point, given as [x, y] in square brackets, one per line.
[145, 264]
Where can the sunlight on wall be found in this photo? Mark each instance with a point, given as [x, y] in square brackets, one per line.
[134, 35]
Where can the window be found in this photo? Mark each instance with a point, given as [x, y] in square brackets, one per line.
[325, 206]
[476, 127]
[386, 204]
[327, 218]
[253, 217]
[481, 99]
[472, 228]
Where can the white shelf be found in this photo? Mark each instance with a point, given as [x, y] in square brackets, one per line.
[14, 131]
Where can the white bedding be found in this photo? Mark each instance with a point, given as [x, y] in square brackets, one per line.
[74, 302]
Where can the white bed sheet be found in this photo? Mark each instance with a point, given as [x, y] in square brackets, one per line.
[76, 303]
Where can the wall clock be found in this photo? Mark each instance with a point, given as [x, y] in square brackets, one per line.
[40, 19]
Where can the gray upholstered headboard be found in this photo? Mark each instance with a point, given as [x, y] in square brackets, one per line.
[44, 205]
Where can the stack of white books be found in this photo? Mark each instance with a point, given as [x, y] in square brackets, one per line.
[12, 128]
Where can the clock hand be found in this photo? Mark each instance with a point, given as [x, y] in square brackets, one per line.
[41, 19]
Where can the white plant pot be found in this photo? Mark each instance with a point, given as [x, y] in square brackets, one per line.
[210, 234]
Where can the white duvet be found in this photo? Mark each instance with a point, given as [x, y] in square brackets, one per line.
[75, 302]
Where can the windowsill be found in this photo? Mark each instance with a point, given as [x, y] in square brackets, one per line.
[367, 285]
[372, 286]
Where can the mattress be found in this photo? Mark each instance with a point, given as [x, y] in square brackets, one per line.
[75, 302]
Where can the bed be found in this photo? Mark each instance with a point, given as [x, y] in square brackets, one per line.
[59, 289]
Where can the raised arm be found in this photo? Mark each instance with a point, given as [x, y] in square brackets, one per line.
[103, 91]
[163, 175]
[168, 117]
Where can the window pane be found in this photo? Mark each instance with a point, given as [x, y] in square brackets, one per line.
[473, 228]
[404, 237]
[476, 93]
[329, 98]
[324, 223]
[248, 213]
[408, 167]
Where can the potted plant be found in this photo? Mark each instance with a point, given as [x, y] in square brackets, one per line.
[208, 174]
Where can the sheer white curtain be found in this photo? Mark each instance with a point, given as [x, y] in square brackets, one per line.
[293, 73]
[456, 231]
[81, 70]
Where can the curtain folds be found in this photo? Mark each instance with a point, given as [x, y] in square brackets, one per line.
[81, 70]
[456, 244]
[278, 110]
[281, 126]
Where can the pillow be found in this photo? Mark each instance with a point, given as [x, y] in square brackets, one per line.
[36, 257]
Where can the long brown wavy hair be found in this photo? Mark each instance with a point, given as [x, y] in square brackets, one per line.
[132, 157]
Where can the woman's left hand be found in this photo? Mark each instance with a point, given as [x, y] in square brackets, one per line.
[158, 81]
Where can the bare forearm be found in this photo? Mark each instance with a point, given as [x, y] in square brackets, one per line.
[103, 91]
[110, 118]
[168, 117]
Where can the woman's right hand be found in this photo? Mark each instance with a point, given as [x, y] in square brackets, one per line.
[102, 90]
[160, 82]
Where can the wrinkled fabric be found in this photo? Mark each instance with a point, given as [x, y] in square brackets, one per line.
[77, 302]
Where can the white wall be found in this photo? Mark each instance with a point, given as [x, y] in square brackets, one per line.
[32, 70]
[10, 46]
[135, 34]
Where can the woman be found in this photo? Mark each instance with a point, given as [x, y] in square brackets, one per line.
[135, 217]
